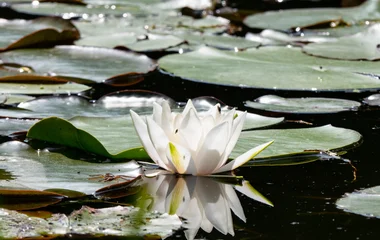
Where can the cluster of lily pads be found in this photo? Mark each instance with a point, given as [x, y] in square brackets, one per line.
[71, 71]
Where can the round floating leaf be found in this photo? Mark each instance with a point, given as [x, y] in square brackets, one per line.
[9, 99]
[108, 41]
[273, 103]
[116, 137]
[365, 202]
[155, 42]
[21, 33]
[82, 63]
[20, 84]
[373, 100]
[9, 125]
[363, 45]
[298, 71]
[223, 42]
[114, 104]
[293, 141]
[41, 169]
[311, 17]
[110, 137]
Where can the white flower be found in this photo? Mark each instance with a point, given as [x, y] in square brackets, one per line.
[193, 143]
[202, 201]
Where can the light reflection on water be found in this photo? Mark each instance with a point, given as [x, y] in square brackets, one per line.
[203, 202]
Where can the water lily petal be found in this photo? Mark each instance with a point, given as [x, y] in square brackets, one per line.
[142, 132]
[234, 202]
[245, 157]
[167, 119]
[191, 130]
[181, 158]
[160, 142]
[211, 150]
[252, 193]
[157, 113]
[178, 197]
[215, 208]
[215, 112]
[236, 130]
[193, 219]
[189, 105]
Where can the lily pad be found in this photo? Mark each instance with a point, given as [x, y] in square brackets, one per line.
[294, 141]
[273, 103]
[114, 221]
[310, 17]
[84, 63]
[9, 99]
[361, 46]
[98, 135]
[9, 125]
[21, 33]
[107, 137]
[365, 202]
[41, 169]
[114, 104]
[373, 100]
[298, 71]
[36, 85]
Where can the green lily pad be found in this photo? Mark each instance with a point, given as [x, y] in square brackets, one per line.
[273, 103]
[114, 104]
[107, 137]
[363, 45]
[298, 71]
[9, 125]
[310, 17]
[36, 85]
[114, 221]
[373, 100]
[88, 134]
[365, 202]
[41, 169]
[82, 64]
[9, 99]
[21, 33]
[293, 141]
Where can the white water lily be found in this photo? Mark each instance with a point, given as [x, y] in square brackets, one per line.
[190, 142]
[203, 202]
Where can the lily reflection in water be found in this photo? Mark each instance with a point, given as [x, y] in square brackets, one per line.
[203, 202]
